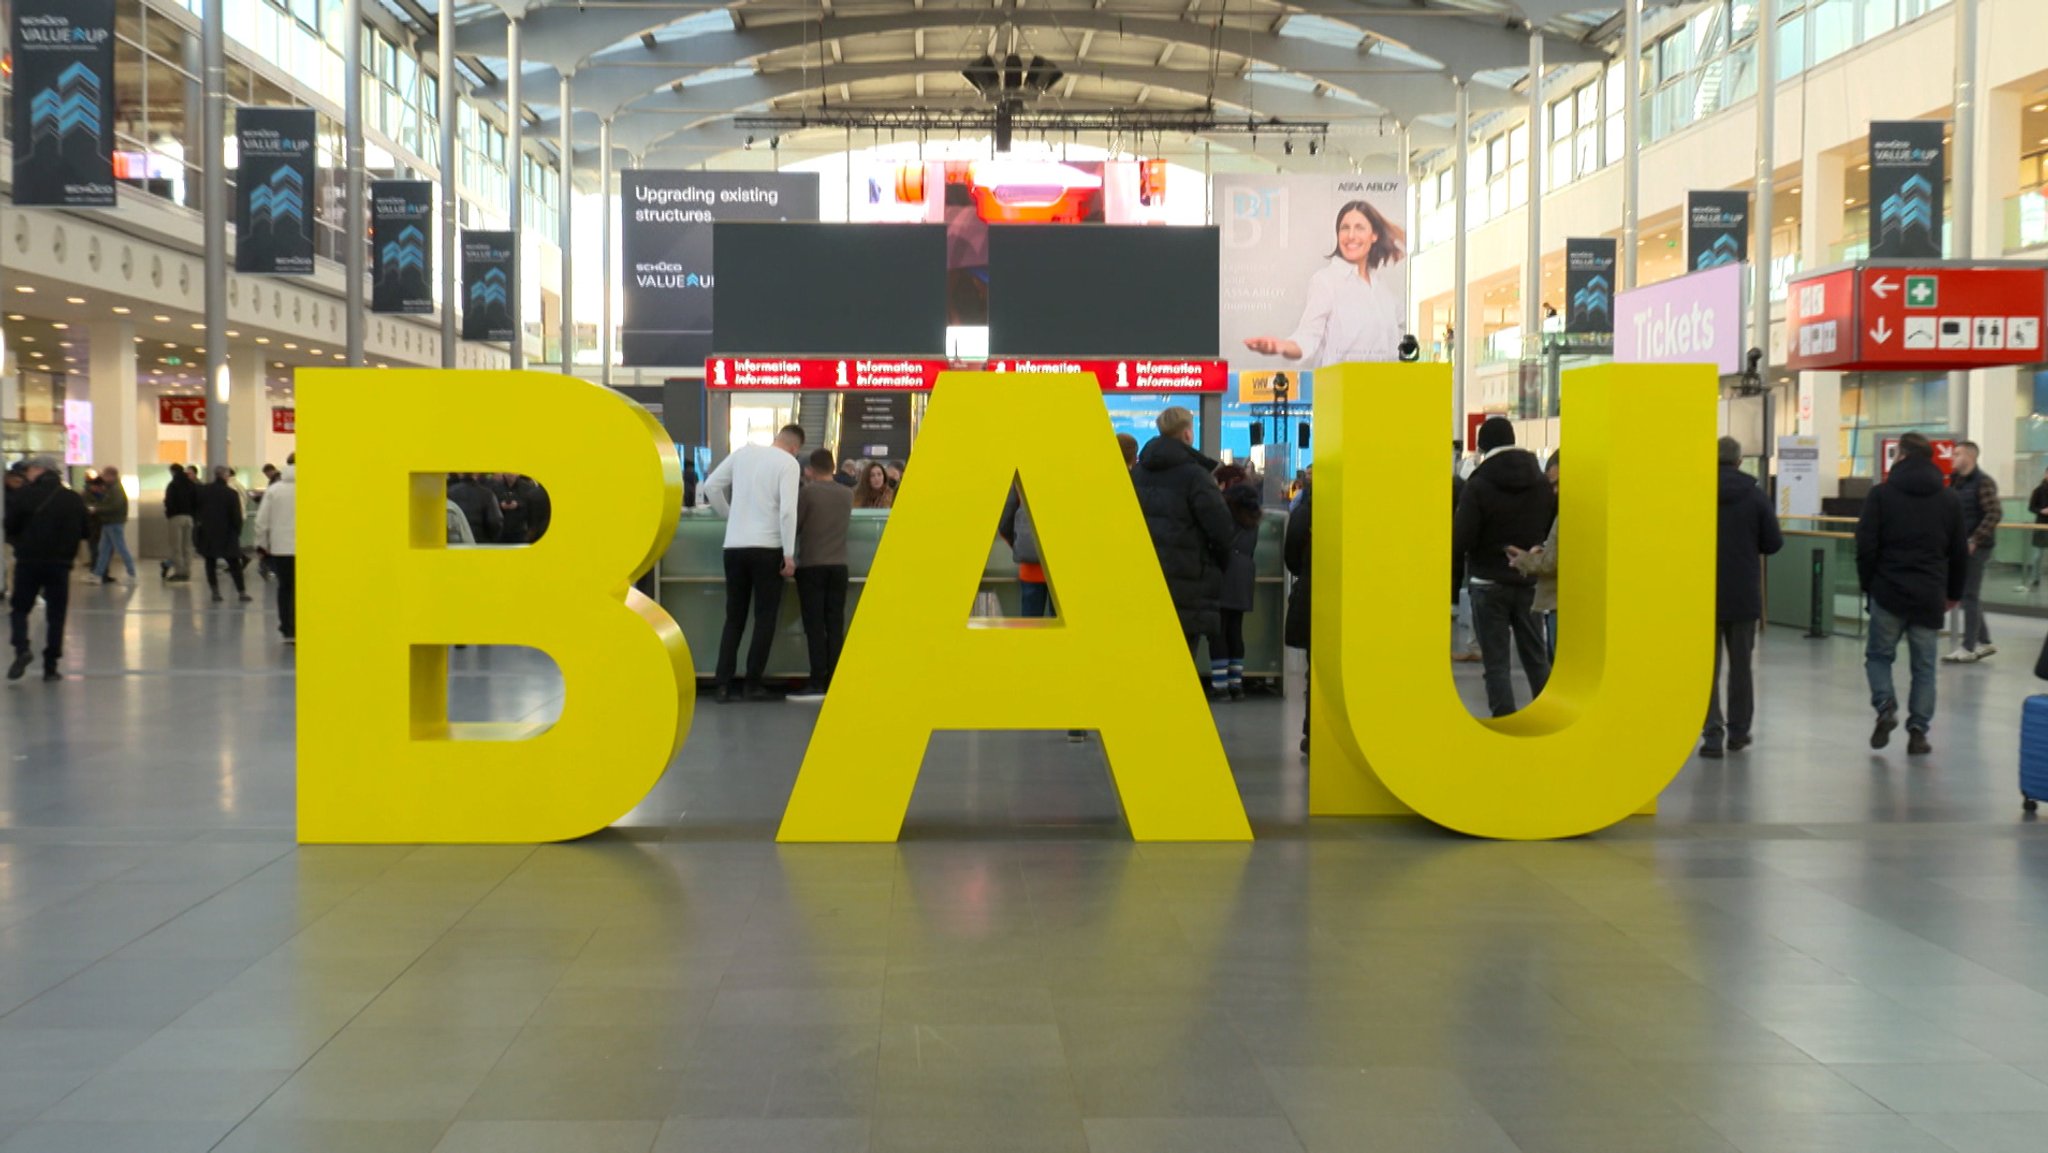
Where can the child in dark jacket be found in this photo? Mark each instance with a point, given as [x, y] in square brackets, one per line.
[1240, 580]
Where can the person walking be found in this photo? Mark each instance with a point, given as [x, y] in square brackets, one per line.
[479, 506]
[1298, 552]
[1541, 563]
[1506, 503]
[824, 512]
[1978, 494]
[1240, 580]
[181, 501]
[220, 533]
[756, 490]
[1191, 531]
[113, 513]
[1912, 563]
[2037, 503]
[277, 538]
[44, 522]
[16, 481]
[1748, 532]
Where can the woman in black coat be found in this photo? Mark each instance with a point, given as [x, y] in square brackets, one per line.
[1296, 550]
[219, 533]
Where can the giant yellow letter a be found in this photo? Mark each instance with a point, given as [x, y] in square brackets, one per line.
[1112, 661]
[1635, 614]
[381, 598]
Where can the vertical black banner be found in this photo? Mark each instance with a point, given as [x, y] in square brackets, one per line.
[274, 191]
[490, 278]
[1589, 265]
[401, 246]
[1906, 158]
[63, 103]
[665, 241]
[1716, 229]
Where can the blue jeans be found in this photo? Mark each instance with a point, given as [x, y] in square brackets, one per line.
[1502, 616]
[1878, 654]
[1036, 598]
[112, 537]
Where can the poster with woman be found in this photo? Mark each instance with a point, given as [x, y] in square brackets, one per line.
[1313, 270]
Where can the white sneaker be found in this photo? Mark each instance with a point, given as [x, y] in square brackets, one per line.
[1986, 650]
[1960, 657]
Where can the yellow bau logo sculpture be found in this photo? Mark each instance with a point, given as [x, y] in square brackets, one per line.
[382, 598]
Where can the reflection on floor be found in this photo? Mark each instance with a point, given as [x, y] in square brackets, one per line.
[1812, 948]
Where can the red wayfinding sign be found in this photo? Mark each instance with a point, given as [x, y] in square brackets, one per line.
[284, 420]
[1932, 317]
[181, 409]
[912, 374]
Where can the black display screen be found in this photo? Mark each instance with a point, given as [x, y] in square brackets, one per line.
[829, 289]
[1103, 290]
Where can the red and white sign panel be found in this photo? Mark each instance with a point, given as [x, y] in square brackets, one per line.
[1944, 457]
[181, 409]
[882, 374]
[1902, 319]
[284, 420]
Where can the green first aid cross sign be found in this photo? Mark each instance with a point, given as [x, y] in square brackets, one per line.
[1923, 291]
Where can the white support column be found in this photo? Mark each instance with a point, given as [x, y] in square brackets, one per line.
[515, 160]
[248, 413]
[566, 145]
[355, 226]
[1532, 267]
[214, 205]
[1823, 187]
[1632, 139]
[451, 217]
[1997, 401]
[117, 437]
[1461, 294]
[1963, 202]
[604, 190]
[1766, 179]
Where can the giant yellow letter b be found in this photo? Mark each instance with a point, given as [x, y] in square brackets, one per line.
[1635, 614]
[1113, 660]
[381, 598]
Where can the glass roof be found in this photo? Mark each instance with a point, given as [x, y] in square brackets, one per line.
[715, 20]
[1322, 30]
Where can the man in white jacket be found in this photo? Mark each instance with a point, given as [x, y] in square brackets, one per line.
[277, 537]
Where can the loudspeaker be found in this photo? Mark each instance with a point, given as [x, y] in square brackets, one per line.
[1301, 435]
[1258, 433]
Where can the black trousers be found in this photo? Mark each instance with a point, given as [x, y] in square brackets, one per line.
[50, 580]
[1734, 645]
[287, 570]
[234, 564]
[753, 578]
[1233, 637]
[1503, 616]
[821, 592]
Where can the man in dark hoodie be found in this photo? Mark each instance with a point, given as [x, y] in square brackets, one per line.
[1192, 531]
[1912, 562]
[181, 504]
[1506, 503]
[45, 522]
[1748, 533]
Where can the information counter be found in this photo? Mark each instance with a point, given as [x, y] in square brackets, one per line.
[691, 579]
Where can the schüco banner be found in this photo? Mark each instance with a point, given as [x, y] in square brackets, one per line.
[1906, 159]
[665, 241]
[63, 69]
[274, 191]
[1716, 229]
[1589, 265]
[490, 282]
[1312, 269]
[401, 246]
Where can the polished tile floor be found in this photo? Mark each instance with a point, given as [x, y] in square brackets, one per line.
[1811, 949]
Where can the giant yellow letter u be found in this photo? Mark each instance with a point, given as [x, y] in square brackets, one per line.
[383, 598]
[1636, 608]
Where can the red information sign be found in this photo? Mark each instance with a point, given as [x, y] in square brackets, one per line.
[181, 409]
[284, 420]
[1898, 318]
[912, 374]
[1944, 456]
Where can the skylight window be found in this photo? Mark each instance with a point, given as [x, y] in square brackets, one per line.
[715, 20]
[1322, 30]
[716, 76]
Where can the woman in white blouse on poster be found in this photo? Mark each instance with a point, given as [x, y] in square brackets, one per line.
[1355, 309]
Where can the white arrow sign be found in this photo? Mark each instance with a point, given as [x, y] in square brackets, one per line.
[1882, 288]
[1883, 331]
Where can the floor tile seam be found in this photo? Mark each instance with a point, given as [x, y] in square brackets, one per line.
[446, 1126]
[280, 853]
[109, 955]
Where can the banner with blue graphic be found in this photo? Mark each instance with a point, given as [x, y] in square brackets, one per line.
[1589, 264]
[490, 282]
[1906, 158]
[401, 246]
[63, 103]
[274, 191]
[1716, 229]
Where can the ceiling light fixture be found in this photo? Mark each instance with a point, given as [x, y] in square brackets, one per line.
[74, 300]
[122, 310]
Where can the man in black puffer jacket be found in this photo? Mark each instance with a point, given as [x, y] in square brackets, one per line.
[1191, 530]
[1747, 532]
[1506, 502]
[1912, 561]
[45, 523]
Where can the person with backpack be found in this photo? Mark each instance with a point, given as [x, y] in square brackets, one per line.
[1912, 563]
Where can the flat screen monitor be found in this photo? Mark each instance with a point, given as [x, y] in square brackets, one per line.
[1103, 291]
[829, 289]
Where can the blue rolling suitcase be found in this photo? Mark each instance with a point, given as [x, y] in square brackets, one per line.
[2034, 752]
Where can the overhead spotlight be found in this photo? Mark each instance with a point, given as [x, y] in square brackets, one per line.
[774, 143]
[750, 142]
[984, 76]
[1287, 146]
[1013, 72]
[1314, 148]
